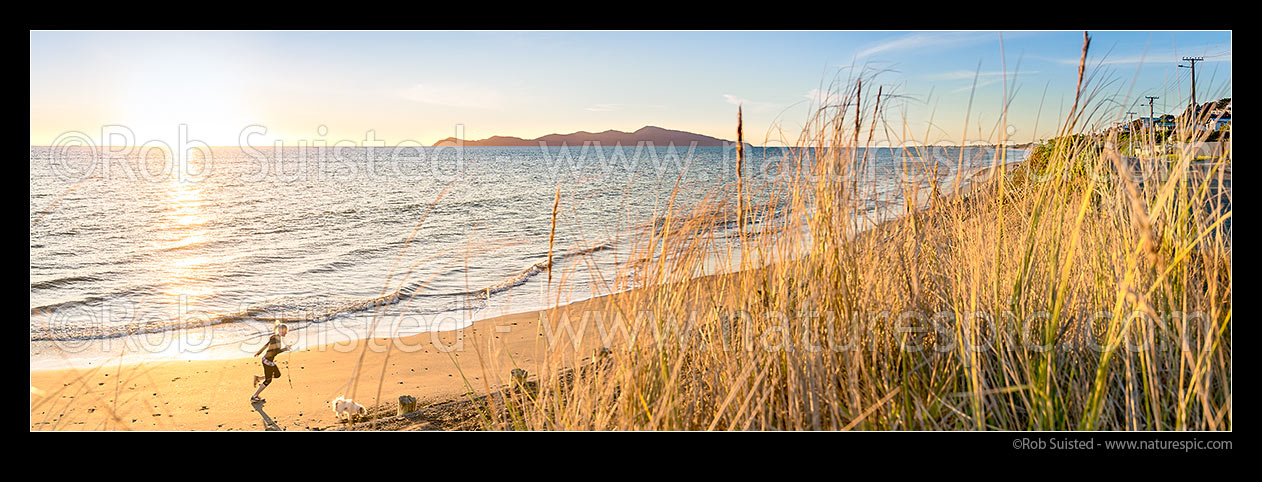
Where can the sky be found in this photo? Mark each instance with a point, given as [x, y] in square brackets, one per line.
[395, 88]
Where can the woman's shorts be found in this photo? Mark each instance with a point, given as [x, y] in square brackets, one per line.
[270, 372]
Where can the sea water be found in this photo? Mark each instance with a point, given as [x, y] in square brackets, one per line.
[154, 255]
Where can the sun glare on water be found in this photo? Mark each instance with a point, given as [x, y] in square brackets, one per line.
[182, 229]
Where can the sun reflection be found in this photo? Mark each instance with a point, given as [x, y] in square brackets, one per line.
[182, 230]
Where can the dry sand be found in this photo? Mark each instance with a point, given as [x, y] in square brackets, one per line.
[214, 394]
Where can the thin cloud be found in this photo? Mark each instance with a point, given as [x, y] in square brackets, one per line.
[983, 79]
[969, 74]
[923, 40]
[605, 107]
[980, 84]
[821, 97]
[616, 107]
[818, 96]
[751, 105]
[453, 96]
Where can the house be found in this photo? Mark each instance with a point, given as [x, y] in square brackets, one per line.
[1214, 115]
[1217, 122]
[1162, 122]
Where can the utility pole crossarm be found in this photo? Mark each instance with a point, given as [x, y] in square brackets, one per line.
[1150, 98]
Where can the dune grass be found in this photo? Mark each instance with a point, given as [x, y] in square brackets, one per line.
[1078, 290]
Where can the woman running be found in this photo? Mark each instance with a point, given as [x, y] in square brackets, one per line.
[273, 347]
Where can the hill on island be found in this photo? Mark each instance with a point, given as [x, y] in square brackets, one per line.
[648, 134]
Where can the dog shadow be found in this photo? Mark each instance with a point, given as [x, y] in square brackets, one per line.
[268, 423]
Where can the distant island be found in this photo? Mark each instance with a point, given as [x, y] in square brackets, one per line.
[647, 134]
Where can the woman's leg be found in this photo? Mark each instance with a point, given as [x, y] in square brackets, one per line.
[266, 379]
[260, 389]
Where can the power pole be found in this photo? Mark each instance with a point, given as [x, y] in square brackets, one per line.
[1192, 65]
[1152, 121]
[1130, 129]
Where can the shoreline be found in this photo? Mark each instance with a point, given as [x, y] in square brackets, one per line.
[434, 367]
[437, 368]
[183, 344]
[202, 341]
[213, 394]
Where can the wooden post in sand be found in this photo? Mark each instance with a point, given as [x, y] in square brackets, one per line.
[407, 404]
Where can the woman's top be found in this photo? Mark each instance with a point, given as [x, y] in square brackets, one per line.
[274, 348]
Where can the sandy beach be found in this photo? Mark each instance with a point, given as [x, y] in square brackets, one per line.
[213, 394]
[358, 230]
[437, 368]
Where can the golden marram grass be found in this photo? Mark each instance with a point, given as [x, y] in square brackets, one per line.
[1064, 292]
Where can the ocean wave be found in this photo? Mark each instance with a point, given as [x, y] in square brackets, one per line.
[62, 305]
[72, 333]
[304, 309]
[521, 277]
[62, 282]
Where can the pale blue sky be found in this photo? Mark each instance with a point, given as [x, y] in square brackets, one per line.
[420, 85]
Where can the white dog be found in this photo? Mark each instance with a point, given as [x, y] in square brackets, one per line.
[347, 409]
